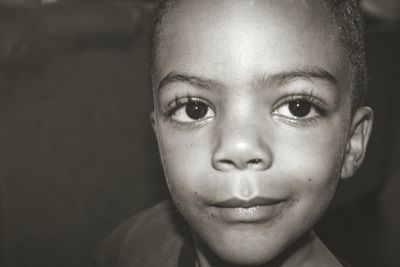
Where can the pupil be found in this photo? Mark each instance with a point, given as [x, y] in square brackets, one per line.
[299, 108]
[196, 110]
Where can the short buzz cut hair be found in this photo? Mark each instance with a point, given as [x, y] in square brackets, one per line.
[348, 26]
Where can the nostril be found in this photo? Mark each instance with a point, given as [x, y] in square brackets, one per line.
[254, 161]
[226, 161]
[225, 165]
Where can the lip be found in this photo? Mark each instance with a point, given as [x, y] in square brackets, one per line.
[255, 210]
[241, 203]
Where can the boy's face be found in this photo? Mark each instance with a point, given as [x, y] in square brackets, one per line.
[252, 116]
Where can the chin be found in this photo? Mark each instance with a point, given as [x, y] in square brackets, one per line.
[246, 251]
[247, 259]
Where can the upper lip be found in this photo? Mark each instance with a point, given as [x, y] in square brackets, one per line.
[248, 203]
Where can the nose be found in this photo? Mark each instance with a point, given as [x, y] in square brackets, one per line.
[241, 146]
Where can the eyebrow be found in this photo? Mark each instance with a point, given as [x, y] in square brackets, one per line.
[310, 73]
[280, 78]
[192, 80]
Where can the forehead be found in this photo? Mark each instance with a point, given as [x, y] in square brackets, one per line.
[234, 39]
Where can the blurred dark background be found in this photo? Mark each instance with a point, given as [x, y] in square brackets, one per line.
[78, 156]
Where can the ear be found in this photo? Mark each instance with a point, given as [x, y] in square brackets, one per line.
[152, 120]
[356, 147]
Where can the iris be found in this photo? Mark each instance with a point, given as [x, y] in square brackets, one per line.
[196, 110]
[300, 108]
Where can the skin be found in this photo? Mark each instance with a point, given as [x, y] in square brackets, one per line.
[245, 62]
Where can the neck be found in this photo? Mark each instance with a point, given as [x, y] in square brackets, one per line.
[307, 251]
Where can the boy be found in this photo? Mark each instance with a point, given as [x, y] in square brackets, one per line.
[258, 113]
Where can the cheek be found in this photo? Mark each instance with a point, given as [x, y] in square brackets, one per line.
[184, 164]
[313, 164]
[309, 167]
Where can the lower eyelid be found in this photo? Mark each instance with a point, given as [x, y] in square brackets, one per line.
[298, 122]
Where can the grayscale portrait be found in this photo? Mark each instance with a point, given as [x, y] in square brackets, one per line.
[199, 133]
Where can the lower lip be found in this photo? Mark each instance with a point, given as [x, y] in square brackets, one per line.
[256, 214]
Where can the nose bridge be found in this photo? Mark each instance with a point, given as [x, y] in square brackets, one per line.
[241, 142]
[240, 132]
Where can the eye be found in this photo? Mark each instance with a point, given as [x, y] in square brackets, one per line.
[192, 110]
[299, 108]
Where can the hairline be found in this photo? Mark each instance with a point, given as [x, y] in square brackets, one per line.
[356, 59]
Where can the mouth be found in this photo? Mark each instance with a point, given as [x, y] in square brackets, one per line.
[255, 210]
[240, 203]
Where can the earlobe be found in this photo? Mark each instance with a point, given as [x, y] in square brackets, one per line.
[356, 147]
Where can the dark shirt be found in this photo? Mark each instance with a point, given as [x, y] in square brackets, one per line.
[155, 237]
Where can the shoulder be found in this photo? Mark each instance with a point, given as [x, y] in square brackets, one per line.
[150, 238]
[343, 262]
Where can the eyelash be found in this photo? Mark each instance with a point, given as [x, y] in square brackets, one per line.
[178, 103]
[318, 104]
